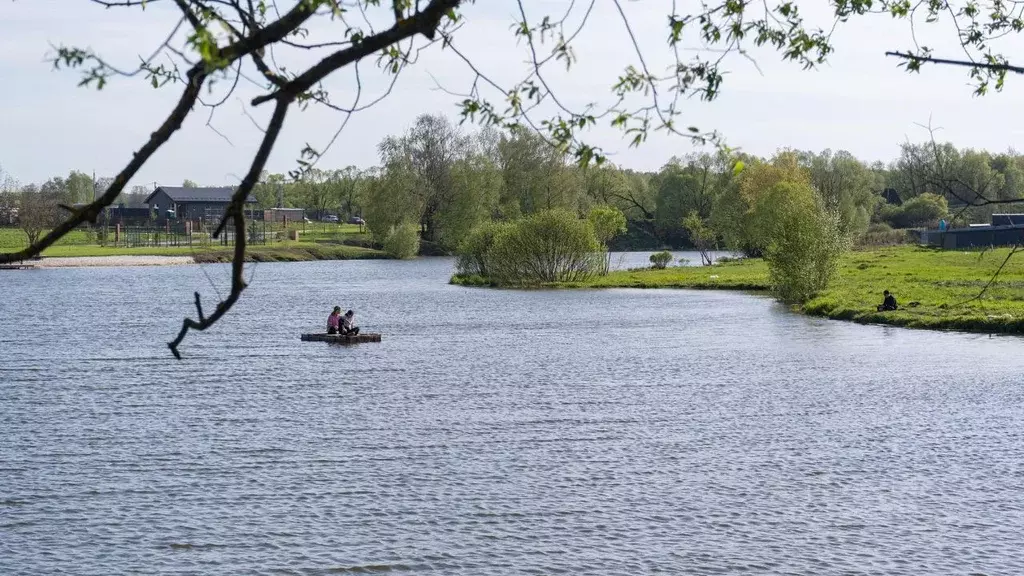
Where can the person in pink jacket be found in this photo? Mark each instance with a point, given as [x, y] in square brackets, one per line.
[334, 321]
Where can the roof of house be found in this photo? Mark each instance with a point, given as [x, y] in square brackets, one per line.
[215, 194]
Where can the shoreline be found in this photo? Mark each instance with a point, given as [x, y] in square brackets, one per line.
[943, 285]
[106, 261]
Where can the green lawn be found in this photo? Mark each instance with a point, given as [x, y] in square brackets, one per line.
[738, 275]
[944, 284]
[320, 241]
[14, 239]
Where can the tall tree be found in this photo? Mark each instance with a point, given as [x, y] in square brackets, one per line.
[392, 200]
[430, 148]
[735, 216]
[81, 188]
[690, 184]
[349, 189]
[476, 184]
[8, 198]
[626, 190]
[530, 169]
[38, 210]
[270, 191]
[847, 187]
[607, 223]
[316, 190]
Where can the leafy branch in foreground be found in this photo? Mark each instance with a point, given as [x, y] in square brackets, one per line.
[211, 40]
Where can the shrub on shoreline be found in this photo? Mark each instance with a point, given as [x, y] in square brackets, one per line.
[661, 259]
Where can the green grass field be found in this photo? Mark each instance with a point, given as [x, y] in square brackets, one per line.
[945, 284]
[14, 239]
[312, 245]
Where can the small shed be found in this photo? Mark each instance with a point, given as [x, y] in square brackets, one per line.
[284, 215]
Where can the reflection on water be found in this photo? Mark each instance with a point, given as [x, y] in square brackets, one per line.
[492, 432]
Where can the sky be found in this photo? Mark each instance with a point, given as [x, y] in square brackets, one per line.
[859, 101]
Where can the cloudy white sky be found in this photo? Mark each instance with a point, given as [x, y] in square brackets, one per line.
[860, 101]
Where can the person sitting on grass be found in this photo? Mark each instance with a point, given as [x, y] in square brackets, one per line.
[334, 321]
[889, 303]
[347, 327]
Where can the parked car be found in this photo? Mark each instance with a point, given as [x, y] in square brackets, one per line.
[356, 220]
[330, 218]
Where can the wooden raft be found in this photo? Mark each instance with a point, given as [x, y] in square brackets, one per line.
[339, 339]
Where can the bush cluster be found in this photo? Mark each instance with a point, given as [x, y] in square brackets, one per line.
[804, 241]
[661, 259]
[548, 246]
[923, 210]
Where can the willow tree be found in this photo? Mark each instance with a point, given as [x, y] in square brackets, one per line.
[222, 36]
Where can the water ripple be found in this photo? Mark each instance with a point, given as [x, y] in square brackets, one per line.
[494, 432]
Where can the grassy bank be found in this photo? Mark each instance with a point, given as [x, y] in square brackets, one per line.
[283, 252]
[944, 283]
[294, 252]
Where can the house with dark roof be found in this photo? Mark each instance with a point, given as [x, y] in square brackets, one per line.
[192, 204]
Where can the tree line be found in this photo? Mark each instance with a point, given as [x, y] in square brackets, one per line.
[438, 182]
[442, 182]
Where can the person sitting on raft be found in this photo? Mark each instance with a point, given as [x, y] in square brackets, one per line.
[889, 303]
[334, 320]
[347, 328]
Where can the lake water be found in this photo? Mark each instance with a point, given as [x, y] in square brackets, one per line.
[492, 432]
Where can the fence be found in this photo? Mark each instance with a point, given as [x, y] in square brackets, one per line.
[178, 234]
[198, 234]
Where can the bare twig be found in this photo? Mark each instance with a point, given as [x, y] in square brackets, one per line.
[992, 280]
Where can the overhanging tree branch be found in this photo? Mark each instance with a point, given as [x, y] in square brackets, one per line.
[195, 78]
[425, 23]
[236, 212]
[993, 66]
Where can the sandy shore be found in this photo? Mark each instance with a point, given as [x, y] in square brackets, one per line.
[111, 261]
